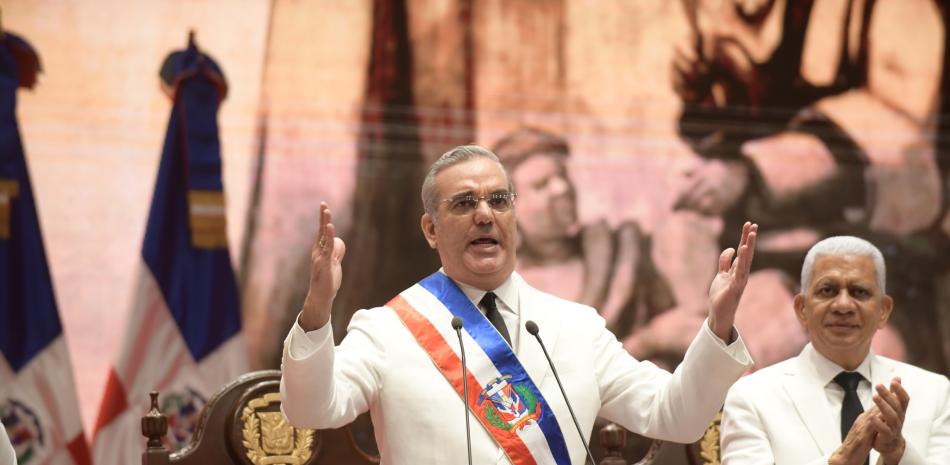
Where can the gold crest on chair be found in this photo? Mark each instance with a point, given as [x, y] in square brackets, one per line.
[709, 444]
[267, 436]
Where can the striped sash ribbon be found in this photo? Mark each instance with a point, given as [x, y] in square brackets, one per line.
[502, 396]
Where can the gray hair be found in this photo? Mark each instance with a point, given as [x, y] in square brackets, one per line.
[843, 245]
[460, 154]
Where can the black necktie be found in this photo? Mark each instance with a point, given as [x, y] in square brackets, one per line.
[494, 316]
[851, 407]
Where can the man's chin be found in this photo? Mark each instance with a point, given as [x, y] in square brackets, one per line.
[485, 267]
[844, 343]
[488, 266]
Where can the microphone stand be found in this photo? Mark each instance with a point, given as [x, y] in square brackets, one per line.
[457, 324]
[532, 328]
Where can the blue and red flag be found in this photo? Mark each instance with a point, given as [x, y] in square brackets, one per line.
[184, 334]
[38, 403]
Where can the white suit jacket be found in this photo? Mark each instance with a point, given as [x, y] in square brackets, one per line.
[780, 415]
[418, 417]
[7, 454]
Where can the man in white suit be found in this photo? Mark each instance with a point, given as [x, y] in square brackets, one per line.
[798, 411]
[402, 361]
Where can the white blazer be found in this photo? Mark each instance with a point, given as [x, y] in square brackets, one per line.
[418, 417]
[780, 415]
[7, 454]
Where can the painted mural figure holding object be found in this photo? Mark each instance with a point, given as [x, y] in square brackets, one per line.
[401, 361]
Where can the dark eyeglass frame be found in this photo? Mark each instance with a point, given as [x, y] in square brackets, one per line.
[498, 202]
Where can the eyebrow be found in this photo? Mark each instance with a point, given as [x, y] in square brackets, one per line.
[839, 282]
[462, 194]
[472, 193]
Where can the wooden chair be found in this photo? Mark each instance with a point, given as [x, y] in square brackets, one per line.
[242, 424]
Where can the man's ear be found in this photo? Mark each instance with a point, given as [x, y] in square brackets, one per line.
[799, 304]
[887, 305]
[428, 229]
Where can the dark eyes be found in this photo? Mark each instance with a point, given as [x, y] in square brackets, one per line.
[827, 291]
[859, 291]
[855, 291]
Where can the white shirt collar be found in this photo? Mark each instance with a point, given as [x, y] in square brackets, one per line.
[826, 370]
[507, 293]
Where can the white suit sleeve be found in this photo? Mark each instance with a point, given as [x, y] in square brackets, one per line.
[323, 386]
[938, 441]
[7, 454]
[673, 407]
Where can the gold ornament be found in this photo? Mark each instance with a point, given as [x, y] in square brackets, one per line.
[269, 439]
[709, 444]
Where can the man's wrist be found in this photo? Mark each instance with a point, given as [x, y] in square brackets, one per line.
[313, 315]
[310, 324]
[894, 457]
[723, 331]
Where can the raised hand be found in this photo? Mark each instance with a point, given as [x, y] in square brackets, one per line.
[892, 405]
[726, 288]
[326, 273]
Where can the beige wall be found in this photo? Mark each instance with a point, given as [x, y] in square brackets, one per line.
[93, 130]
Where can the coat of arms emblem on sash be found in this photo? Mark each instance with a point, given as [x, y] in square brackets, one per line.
[506, 405]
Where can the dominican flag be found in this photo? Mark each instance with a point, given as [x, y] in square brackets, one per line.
[38, 403]
[184, 334]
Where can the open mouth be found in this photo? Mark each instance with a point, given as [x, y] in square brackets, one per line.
[484, 241]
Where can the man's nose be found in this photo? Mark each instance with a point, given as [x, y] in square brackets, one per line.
[843, 302]
[559, 185]
[483, 213]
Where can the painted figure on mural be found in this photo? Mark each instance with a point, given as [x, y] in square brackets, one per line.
[816, 118]
[606, 267]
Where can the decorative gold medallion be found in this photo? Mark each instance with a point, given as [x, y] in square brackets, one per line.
[269, 439]
[709, 444]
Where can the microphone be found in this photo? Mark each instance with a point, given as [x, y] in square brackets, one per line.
[532, 328]
[457, 324]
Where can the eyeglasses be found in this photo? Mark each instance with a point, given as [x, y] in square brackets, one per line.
[464, 204]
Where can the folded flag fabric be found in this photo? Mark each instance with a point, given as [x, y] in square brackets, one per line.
[38, 403]
[184, 333]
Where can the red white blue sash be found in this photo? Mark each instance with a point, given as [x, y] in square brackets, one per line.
[502, 396]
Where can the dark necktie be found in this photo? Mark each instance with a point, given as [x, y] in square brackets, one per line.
[494, 316]
[851, 407]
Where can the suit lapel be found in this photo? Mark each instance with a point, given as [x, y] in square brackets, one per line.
[881, 373]
[808, 395]
[529, 351]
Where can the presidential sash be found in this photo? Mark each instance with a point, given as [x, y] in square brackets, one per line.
[502, 396]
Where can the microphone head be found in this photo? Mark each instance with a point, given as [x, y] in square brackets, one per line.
[456, 323]
[532, 327]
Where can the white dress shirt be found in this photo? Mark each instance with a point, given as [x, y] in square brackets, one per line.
[834, 393]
